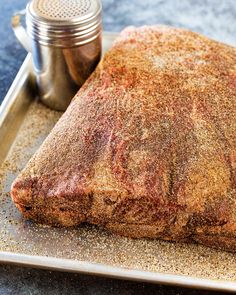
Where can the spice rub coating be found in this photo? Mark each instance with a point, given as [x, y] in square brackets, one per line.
[147, 148]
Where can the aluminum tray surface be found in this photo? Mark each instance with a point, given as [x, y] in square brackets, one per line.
[24, 123]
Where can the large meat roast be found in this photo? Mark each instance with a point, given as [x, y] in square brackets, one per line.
[147, 148]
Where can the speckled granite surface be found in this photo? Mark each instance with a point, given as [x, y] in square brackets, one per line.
[214, 18]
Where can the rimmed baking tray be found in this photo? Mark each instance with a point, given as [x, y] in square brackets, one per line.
[24, 123]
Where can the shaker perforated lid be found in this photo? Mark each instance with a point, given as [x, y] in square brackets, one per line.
[64, 22]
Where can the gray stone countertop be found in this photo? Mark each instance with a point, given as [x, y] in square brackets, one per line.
[214, 18]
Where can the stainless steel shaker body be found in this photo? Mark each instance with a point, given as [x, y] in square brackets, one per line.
[65, 41]
[61, 71]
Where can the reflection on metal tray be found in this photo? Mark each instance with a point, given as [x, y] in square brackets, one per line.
[24, 123]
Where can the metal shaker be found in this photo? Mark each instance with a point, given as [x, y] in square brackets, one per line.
[64, 37]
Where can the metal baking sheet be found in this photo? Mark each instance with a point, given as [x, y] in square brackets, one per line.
[24, 123]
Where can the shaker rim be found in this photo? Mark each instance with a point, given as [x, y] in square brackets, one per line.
[35, 16]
